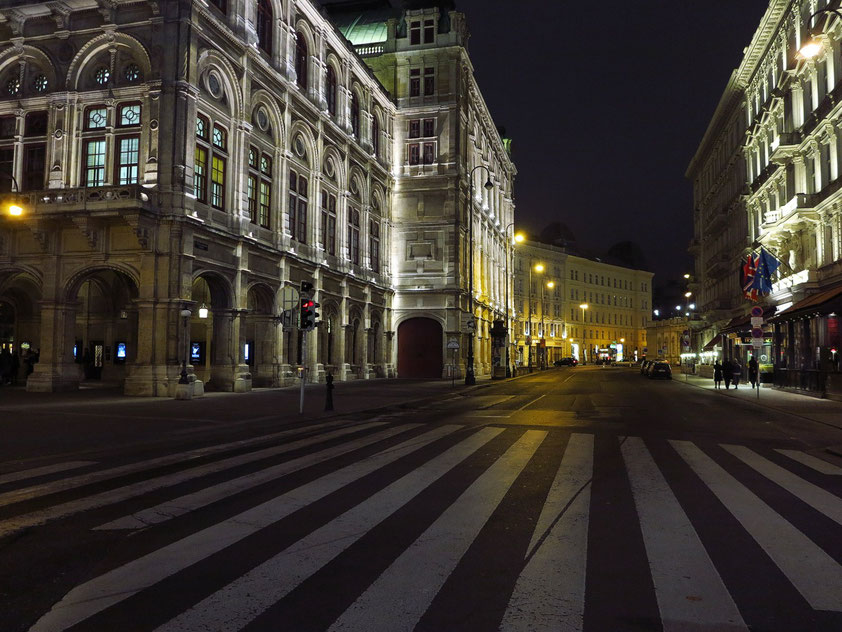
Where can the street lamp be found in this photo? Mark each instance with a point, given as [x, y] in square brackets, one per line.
[543, 347]
[538, 267]
[14, 208]
[517, 238]
[814, 46]
[470, 379]
[583, 307]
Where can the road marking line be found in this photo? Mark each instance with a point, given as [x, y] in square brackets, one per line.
[190, 502]
[119, 494]
[403, 592]
[44, 489]
[248, 596]
[811, 570]
[813, 462]
[533, 401]
[42, 471]
[819, 499]
[550, 592]
[689, 590]
[119, 584]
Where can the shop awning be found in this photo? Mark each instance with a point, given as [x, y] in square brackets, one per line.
[823, 302]
[713, 342]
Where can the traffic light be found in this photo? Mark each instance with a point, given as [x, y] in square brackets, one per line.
[309, 315]
[306, 289]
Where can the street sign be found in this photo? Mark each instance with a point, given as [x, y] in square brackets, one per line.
[453, 343]
[757, 311]
[756, 321]
[289, 298]
[757, 332]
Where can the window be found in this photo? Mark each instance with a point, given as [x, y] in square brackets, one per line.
[414, 33]
[301, 61]
[222, 5]
[200, 174]
[251, 196]
[355, 115]
[415, 82]
[7, 167]
[354, 235]
[259, 187]
[330, 90]
[429, 153]
[210, 162]
[94, 163]
[429, 31]
[36, 124]
[265, 199]
[128, 115]
[8, 125]
[298, 206]
[375, 135]
[429, 81]
[415, 128]
[219, 139]
[264, 26]
[429, 128]
[96, 117]
[328, 241]
[374, 244]
[128, 159]
[415, 154]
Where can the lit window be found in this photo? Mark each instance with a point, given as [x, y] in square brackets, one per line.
[96, 118]
[94, 163]
[128, 160]
[129, 115]
[131, 73]
[102, 75]
[13, 86]
[40, 83]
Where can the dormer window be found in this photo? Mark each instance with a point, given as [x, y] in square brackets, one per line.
[429, 31]
[414, 33]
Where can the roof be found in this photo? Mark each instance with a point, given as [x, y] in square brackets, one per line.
[363, 24]
[713, 342]
[820, 302]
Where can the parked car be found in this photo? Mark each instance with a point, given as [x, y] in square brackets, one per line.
[660, 369]
[566, 362]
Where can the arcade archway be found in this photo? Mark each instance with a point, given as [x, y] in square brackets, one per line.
[420, 348]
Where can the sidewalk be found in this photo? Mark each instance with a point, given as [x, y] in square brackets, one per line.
[824, 411]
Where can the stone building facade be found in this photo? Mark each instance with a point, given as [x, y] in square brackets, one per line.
[180, 155]
[550, 322]
[767, 174]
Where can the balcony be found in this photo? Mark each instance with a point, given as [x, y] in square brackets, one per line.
[784, 147]
[105, 200]
[716, 266]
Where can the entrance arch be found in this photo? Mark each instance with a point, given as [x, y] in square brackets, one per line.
[420, 348]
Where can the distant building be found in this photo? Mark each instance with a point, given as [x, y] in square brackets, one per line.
[552, 324]
[184, 155]
[767, 175]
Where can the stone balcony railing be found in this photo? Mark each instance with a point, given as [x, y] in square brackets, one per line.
[89, 199]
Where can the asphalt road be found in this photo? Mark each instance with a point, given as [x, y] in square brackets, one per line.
[576, 499]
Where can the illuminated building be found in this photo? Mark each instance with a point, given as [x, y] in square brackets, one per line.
[767, 175]
[618, 299]
[178, 155]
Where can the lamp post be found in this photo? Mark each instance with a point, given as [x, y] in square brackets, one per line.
[470, 379]
[539, 267]
[583, 307]
[515, 238]
[543, 346]
[185, 315]
[814, 46]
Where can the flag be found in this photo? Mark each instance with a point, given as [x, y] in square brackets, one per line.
[749, 277]
[766, 265]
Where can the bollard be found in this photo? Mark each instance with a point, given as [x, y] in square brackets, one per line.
[329, 392]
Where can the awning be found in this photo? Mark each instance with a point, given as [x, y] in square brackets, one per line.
[743, 323]
[824, 302]
[713, 343]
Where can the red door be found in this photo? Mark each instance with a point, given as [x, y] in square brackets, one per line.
[419, 348]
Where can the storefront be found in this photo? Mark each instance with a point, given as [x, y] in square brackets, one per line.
[807, 341]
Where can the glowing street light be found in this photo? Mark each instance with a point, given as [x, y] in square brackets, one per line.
[814, 46]
[583, 307]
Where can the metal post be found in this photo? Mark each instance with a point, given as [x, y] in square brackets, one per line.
[508, 323]
[303, 370]
[470, 379]
[542, 348]
[529, 301]
[185, 314]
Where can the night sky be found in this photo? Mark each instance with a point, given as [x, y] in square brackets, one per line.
[607, 103]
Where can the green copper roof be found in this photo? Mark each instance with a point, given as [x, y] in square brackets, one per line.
[364, 27]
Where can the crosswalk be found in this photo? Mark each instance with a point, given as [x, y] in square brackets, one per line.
[386, 526]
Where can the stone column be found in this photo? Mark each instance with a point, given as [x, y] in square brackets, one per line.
[56, 369]
[157, 362]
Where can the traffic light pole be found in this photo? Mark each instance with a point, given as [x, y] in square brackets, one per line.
[303, 370]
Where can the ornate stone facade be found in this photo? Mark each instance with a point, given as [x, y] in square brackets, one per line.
[182, 154]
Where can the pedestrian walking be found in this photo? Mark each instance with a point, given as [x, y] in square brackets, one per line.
[736, 373]
[717, 374]
[13, 372]
[727, 373]
[752, 373]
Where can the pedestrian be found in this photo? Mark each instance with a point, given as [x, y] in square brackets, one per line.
[736, 373]
[727, 373]
[717, 374]
[5, 366]
[752, 372]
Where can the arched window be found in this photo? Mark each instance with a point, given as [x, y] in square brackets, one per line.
[301, 60]
[298, 206]
[355, 115]
[375, 135]
[264, 25]
[330, 90]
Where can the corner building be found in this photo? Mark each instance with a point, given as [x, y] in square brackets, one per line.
[767, 174]
[185, 154]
